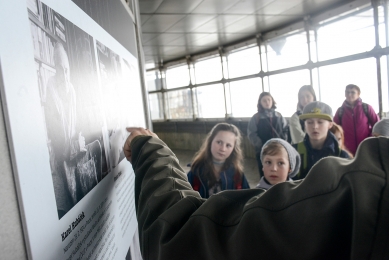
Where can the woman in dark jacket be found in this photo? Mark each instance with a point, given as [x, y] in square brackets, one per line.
[266, 124]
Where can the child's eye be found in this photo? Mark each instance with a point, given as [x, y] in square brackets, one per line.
[281, 163]
[267, 162]
[218, 142]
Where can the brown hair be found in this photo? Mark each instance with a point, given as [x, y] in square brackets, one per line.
[203, 158]
[351, 86]
[308, 88]
[337, 128]
[273, 148]
[263, 94]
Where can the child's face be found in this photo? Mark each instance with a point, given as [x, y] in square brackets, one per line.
[338, 136]
[317, 128]
[352, 95]
[305, 98]
[266, 102]
[222, 145]
[276, 167]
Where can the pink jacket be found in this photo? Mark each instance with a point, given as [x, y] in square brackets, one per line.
[355, 123]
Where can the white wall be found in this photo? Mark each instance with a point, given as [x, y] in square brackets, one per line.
[11, 238]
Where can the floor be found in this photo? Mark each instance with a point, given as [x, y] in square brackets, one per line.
[250, 166]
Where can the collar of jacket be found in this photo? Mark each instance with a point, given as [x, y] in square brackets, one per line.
[357, 103]
[269, 112]
[224, 177]
[330, 143]
[264, 184]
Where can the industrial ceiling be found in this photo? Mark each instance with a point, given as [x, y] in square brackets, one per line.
[173, 29]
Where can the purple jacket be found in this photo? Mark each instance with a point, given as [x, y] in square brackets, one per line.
[355, 123]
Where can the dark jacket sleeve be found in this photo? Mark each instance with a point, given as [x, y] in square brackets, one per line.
[339, 211]
[344, 154]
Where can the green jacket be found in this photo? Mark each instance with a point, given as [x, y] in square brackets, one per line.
[339, 211]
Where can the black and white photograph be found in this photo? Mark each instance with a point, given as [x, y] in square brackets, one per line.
[71, 104]
[115, 74]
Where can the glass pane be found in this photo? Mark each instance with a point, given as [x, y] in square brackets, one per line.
[351, 35]
[210, 101]
[177, 77]
[180, 104]
[156, 106]
[266, 86]
[315, 83]
[335, 78]
[208, 70]
[245, 62]
[312, 44]
[285, 52]
[263, 58]
[385, 84]
[284, 89]
[153, 80]
[381, 26]
[244, 96]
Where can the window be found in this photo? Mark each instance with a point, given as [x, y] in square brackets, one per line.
[288, 51]
[208, 70]
[210, 101]
[263, 58]
[244, 96]
[180, 104]
[177, 77]
[312, 45]
[153, 80]
[284, 89]
[335, 78]
[245, 62]
[384, 84]
[351, 35]
[156, 106]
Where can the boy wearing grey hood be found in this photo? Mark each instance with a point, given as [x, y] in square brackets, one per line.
[281, 162]
[381, 128]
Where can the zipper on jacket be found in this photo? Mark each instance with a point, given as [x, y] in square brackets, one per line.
[355, 130]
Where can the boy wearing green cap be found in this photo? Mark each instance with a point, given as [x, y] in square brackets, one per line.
[319, 142]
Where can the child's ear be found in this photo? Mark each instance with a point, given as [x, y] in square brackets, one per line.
[330, 125]
[290, 170]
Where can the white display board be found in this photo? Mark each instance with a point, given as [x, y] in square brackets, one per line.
[70, 89]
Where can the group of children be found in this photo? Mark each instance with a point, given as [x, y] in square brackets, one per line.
[219, 163]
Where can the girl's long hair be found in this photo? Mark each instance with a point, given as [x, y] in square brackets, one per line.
[203, 158]
[337, 128]
[305, 88]
[259, 106]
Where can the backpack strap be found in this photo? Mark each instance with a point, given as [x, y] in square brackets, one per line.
[302, 150]
[366, 111]
[340, 115]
